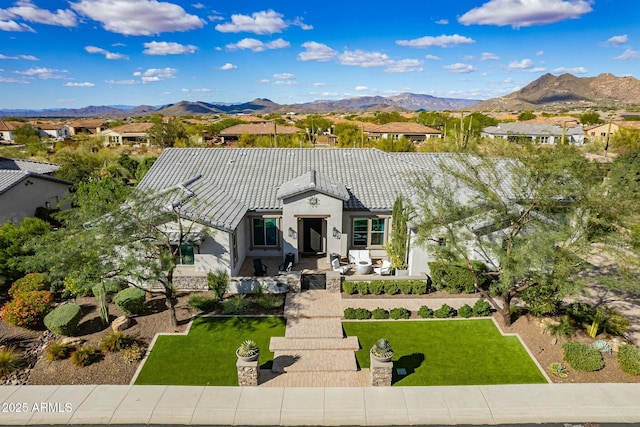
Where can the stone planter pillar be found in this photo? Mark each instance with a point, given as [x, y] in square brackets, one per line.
[334, 282]
[248, 373]
[381, 373]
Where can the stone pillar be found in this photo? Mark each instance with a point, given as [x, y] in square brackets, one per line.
[334, 282]
[248, 373]
[381, 373]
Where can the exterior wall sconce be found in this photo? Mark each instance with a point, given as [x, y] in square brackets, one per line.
[313, 201]
[28, 182]
[336, 233]
[292, 233]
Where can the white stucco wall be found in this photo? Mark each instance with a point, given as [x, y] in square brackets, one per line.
[21, 201]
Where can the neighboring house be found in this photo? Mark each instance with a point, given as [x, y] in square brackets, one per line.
[536, 133]
[88, 126]
[26, 186]
[600, 132]
[233, 133]
[53, 130]
[414, 132]
[8, 129]
[129, 134]
[271, 202]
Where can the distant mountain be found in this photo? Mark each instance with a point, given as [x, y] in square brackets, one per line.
[402, 102]
[569, 91]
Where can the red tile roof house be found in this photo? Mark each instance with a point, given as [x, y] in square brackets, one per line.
[26, 186]
[8, 128]
[132, 133]
[233, 133]
[269, 202]
[415, 132]
[89, 126]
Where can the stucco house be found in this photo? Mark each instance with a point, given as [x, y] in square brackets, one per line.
[535, 132]
[415, 132]
[233, 133]
[26, 186]
[131, 133]
[269, 202]
[8, 129]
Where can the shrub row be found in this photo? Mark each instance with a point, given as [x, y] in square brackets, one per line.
[88, 354]
[388, 287]
[481, 308]
[456, 278]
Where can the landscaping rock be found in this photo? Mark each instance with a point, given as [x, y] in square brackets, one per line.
[120, 324]
[72, 341]
[615, 344]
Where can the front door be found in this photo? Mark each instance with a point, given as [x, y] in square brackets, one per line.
[312, 235]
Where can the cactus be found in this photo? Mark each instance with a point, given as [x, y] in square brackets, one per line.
[248, 348]
[382, 348]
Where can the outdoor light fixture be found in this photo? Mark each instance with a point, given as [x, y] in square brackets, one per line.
[292, 233]
[313, 201]
[336, 233]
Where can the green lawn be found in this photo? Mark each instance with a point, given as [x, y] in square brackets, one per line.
[207, 355]
[469, 352]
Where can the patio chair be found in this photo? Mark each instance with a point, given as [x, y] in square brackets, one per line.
[335, 266]
[259, 269]
[286, 266]
[385, 270]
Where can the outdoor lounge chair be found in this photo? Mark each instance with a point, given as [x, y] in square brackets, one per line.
[385, 270]
[286, 266]
[335, 266]
[259, 269]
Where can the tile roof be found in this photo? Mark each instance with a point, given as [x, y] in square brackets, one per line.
[232, 181]
[11, 178]
[404, 128]
[310, 181]
[130, 128]
[10, 125]
[258, 129]
[536, 129]
[27, 165]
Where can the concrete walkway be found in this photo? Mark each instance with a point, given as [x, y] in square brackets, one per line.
[122, 404]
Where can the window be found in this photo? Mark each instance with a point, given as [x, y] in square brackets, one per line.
[369, 231]
[544, 140]
[185, 255]
[234, 245]
[265, 231]
[603, 134]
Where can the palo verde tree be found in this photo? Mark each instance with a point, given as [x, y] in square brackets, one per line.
[521, 217]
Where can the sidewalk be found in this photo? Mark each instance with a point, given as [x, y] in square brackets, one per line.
[115, 404]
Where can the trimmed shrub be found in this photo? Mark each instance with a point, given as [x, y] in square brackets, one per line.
[85, 356]
[27, 309]
[582, 357]
[63, 320]
[629, 359]
[391, 288]
[362, 287]
[234, 305]
[581, 312]
[10, 361]
[269, 302]
[114, 342]
[399, 313]
[350, 313]
[456, 278]
[406, 287]
[419, 287]
[58, 351]
[376, 287]
[465, 311]
[349, 288]
[481, 308]
[425, 312]
[444, 312]
[380, 313]
[363, 314]
[542, 300]
[130, 300]
[29, 283]
[202, 303]
[132, 353]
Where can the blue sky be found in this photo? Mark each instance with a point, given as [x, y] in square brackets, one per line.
[56, 53]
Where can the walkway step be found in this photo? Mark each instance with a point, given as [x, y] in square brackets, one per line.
[313, 303]
[314, 361]
[289, 344]
[313, 328]
[315, 379]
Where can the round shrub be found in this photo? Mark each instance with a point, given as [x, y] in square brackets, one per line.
[456, 278]
[380, 313]
[64, 320]
[363, 314]
[419, 287]
[349, 288]
[85, 356]
[481, 308]
[376, 287]
[133, 353]
[130, 300]
[391, 288]
[27, 309]
[399, 313]
[405, 287]
[465, 311]
[444, 312]
[629, 359]
[350, 313]
[425, 312]
[58, 351]
[362, 287]
[582, 357]
[29, 283]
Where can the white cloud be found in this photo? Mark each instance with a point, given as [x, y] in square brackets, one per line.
[138, 18]
[574, 70]
[201, 90]
[488, 56]
[121, 82]
[442, 22]
[286, 83]
[405, 66]
[85, 84]
[439, 41]
[168, 48]
[360, 58]
[155, 74]
[460, 68]
[43, 73]
[525, 13]
[618, 40]
[524, 65]
[26, 10]
[540, 53]
[318, 84]
[257, 45]
[106, 53]
[317, 52]
[228, 66]
[11, 25]
[361, 88]
[263, 22]
[629, 54]
[298, 23]
[25, 57]
[284, 76]
[433, 58]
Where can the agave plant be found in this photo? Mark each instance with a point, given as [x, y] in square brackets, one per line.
[382, 349]
[248, 348]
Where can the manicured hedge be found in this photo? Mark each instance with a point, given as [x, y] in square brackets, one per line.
[480, 309]
[130, 300]
[456, 278]
[388, 287]
[64, 320]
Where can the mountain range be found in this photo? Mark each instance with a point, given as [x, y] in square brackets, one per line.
[565, 91]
